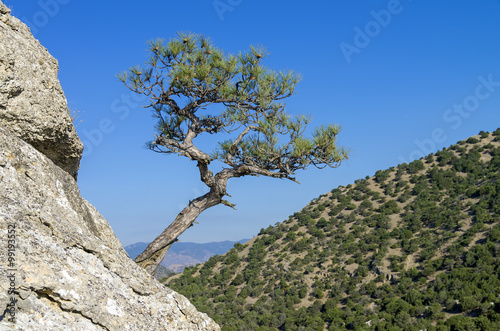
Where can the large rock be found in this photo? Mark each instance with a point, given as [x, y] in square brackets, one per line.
[32, 102]
[61, 265]
[70, 270]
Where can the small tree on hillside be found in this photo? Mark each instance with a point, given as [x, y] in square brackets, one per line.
[186, 77]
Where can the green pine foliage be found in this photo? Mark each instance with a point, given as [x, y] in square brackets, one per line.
[416, 247]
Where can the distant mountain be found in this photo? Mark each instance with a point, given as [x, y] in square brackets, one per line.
[183, 254]
[134, 250]
[415, 247]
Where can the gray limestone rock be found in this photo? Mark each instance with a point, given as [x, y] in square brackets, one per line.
[32, 102]
[70, 271]
[61, 265]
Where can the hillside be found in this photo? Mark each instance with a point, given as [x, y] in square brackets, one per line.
[416, 247]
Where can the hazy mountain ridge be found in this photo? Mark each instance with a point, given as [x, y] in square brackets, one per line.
[183, 254]
[413, 248]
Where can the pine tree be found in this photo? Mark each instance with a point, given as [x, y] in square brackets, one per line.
[187, 76]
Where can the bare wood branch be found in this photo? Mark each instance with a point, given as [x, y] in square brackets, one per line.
[229, 204]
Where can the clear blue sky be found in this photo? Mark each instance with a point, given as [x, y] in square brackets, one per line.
[403, 78]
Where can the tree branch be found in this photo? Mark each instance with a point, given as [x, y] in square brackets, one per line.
[227, 203]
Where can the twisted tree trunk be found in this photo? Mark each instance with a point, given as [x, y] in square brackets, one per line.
[154, 254]
[156, 251]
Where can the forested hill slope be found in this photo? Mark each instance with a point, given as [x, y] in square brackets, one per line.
[416, 247]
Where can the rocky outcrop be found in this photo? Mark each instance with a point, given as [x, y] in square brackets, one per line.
[70, 270]
[61, 265]
[32, 103]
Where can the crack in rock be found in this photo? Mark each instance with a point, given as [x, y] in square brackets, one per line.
[56, 298]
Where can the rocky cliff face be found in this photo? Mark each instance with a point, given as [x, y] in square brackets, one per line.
[32, 103]
[61, 265]
[70, 272]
